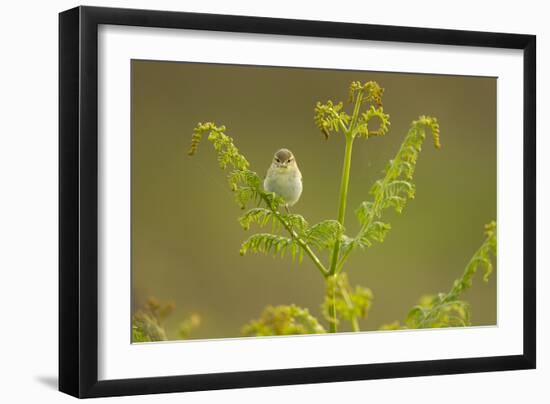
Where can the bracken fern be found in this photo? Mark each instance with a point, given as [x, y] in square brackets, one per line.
[148, 322]
[283, 320]
[446, 309]
[292, 235]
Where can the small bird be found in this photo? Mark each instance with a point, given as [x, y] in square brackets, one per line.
[284, 177]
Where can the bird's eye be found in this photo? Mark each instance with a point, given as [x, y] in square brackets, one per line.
[277, 160]
[290, 159]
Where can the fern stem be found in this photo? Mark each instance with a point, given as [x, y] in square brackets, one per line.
[331, 285]
[355, 324]
[341, 217]
[355, 115]
[375, 211]
[296, 237]
[343, 199]
[345, 179]
[342, 208]
[349, 303]
[340, 122]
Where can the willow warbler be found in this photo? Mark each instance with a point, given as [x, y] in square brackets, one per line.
[284, 177]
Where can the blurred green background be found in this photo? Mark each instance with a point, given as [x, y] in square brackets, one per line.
[185, 234]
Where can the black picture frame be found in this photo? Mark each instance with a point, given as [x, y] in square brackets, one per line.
[78, 200]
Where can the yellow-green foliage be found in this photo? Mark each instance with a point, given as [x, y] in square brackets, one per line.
[145, 328]
[393, 190]
[148, 322]
[247, 187]
[330, 117]
[447, 309]
[350, 303]
[292, 235]
[187, 326]
[283, 320]
[391, 326]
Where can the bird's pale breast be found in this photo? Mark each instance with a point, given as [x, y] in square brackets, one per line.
[285, 183]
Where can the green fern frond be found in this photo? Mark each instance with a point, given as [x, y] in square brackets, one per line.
[431, 123]
[394, 189]
[273, 244]
[243, 177]
[271, 200]
[481, 259]
[260, 216]
[349, 303]
[148, 322]
[374, 231]
[362, 128]
[431, 313]
[228, 154]
[283, 320]
[246, 184]
[377, 231]
[395, 325]
[297, 222]
[393, 193]
[396, 186]
[329, 117]
[370, 92]
[147, 328]
[252, 192]
[324, 234]
[446, 309]
[263, 216]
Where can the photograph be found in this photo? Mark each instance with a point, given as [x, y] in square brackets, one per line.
[275, 202]
[272, 201]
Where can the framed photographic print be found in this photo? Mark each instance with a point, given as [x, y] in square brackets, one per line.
[251, 201]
